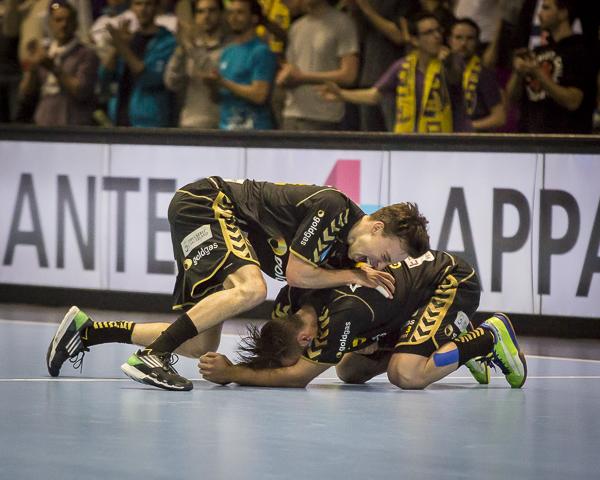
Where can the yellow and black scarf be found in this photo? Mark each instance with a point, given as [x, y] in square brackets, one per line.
[470, 82]
[434, 114]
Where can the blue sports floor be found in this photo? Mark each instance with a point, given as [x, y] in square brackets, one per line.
[100, 424]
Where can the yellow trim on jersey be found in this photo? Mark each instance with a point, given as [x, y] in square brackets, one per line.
[303, 258]
[344, 294]
[215, 270]
[316, 193]
[434, 313]
[181, 305]
[237, 246]
[194, 195]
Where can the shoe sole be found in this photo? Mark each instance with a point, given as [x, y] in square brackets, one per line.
[141, 377]
[511, 332]
[58, 336]
[484, 381]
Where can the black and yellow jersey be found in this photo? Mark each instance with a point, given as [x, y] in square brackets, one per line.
[309, 221]
[353, 317]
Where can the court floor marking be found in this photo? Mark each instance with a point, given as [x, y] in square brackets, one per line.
[318, 379]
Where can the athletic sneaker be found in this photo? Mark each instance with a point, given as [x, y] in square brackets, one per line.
[66, 343]
[480, 370]
[155, 369]
[506, 354]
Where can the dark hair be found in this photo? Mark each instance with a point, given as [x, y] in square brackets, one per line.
[56, 4]
[267, 346]
[413, 22]
[570, 6]
[219, 3]
[403, 220]
[467, 21]
[255, 8]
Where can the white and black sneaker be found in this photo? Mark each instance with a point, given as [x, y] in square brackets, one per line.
[156, 369]
[66, 343]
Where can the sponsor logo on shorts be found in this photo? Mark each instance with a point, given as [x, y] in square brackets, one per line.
[449, 331]
[344, 337]
[312, 229]
[197, 237]
[187, 264]
[204, 252]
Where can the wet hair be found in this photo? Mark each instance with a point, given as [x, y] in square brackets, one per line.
[267, 346]
[403, 220]
[413, 22]
[467, 21]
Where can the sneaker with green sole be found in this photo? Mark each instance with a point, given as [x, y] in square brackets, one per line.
[66, 343]
[155, 369]
[480, 371]
[506, 354]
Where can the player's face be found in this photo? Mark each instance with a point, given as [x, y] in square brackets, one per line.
[377, 249]
[463, 40]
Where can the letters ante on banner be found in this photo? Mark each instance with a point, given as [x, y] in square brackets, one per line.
[89, 223]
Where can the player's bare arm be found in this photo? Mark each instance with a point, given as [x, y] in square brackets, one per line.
[217, 368]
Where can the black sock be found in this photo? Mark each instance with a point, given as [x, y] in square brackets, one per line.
[107, 332]
[178, 332]
[476, 343]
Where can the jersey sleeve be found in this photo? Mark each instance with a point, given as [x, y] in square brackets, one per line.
[326, 217]
[338, 327]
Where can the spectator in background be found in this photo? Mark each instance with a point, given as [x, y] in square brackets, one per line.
[10, 72]
[555, 84]
[134, 73]
[63, 76]
[246, 72]
[117, 14]
[383, 37]
[197, 53]
[485, 13]
[429, 97]
[323, 46]
[440, 9]
[34, 23]
[483, 98]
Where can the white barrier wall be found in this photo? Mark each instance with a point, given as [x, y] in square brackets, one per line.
[94, 215]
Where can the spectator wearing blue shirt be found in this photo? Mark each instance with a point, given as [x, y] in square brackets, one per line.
[136, 69]
[246, 72]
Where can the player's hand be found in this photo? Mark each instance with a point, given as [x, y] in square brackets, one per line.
[215, 368]
[383, 281]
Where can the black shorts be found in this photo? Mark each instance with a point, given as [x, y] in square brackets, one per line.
[208, 244]
[447, 314]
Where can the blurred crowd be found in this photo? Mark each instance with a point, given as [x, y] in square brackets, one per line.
[425, 66]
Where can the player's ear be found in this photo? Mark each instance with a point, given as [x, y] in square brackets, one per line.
[377, 226]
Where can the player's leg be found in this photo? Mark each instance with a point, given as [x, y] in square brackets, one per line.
[218, 277]
[78, 332]
[427, 347]
[358, 368]
[494, 340]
